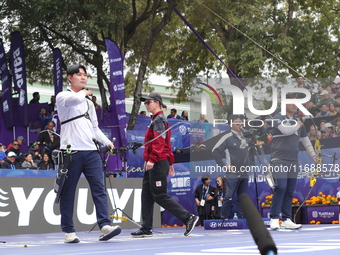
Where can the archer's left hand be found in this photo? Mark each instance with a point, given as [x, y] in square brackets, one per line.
[111, 146]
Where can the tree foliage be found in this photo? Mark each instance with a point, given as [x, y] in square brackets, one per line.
[269, 38]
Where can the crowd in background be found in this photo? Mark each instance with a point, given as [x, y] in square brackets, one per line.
[325, 102]
[38, 154]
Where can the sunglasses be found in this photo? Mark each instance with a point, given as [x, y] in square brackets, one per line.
[15, 144]
[148, 102]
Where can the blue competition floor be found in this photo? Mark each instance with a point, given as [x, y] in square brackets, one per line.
[311, 239]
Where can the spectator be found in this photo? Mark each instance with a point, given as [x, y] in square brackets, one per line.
[316, 97]
[52, 144]
[51, 105]
[20, 157]
[142, 113]
[204, 198]
[337, 98]
[331, 108]
[330, 129]
[184, 115]
[44, 118]
[337, 128]
[46, 163]
[2, 155]
[28, 162]
[94, 100]
[36, 98]
[301, 84]
[173, 114]
[313, 133]
[310, 105]
[329, 90]
[44, 138]
[334, 89]
[34, 151]
[324, 133]
[10, 162]
[202, 118]
[3, 147]
[324, 112]
[20, 140]
[221, 188]
[44, 135]
[322, 123]
[314, 111]
[326, 99]
[337, 108]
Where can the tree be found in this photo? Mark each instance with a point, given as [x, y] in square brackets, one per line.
[81, 37]
[255, 39]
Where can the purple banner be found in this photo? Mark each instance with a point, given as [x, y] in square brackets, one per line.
[322, 213]
[57, 71]
[117, 89]
[17, 63]
[6, 101]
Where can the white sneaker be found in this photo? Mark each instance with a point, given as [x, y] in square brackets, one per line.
[288, 224]
[274, 224]
[107, 232]
[71, 238]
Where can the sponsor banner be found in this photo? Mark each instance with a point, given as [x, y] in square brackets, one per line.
[6, 99]
[322, 213]
[117, 89]
[57, 71]
[135, 166]
[17, 64]
[226, 224]
[230, 224]
[27, 204]
[180, 189]
[117, 102]
[200, 132]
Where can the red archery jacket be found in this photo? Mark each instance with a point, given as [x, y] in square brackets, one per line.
[160, 148]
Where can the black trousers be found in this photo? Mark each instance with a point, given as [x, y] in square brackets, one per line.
[155, 189]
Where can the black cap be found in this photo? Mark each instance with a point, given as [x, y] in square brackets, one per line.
[152, 96]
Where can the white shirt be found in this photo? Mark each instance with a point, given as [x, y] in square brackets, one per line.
[79, 132]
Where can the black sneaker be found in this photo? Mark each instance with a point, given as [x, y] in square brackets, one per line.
[191, 223]
[142, 233]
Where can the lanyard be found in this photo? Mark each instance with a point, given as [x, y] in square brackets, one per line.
[218, 194]
[206, 192]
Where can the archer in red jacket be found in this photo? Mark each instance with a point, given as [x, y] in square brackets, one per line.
[158, 164]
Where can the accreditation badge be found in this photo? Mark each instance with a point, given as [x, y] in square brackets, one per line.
[202, 202]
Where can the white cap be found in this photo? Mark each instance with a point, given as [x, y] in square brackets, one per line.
[11, 154]
[328, 125]
[324, 92]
